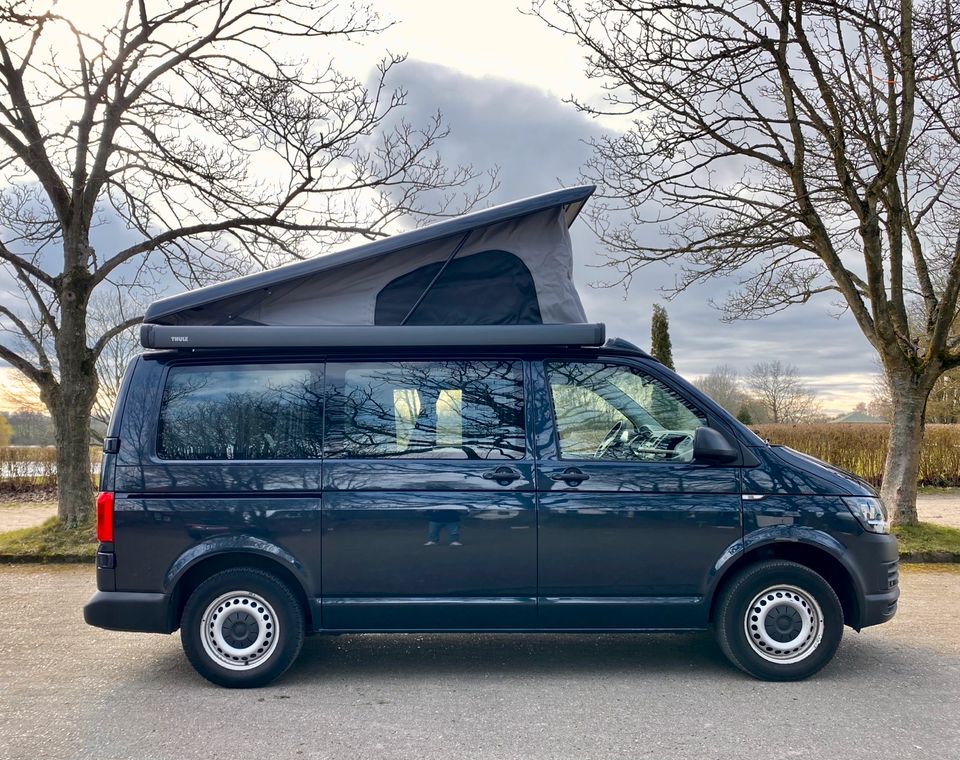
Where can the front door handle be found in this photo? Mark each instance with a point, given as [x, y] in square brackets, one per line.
[571, 476]
[503, 475]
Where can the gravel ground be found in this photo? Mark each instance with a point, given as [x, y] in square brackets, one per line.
[25, 514]
[70, 691]
[941, 508]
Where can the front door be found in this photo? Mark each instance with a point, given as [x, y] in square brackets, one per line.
[630, 526]
[429, 511]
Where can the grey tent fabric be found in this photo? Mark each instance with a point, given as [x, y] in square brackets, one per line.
[507, 265]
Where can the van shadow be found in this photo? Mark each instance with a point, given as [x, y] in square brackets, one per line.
[372, 656]
[359, 659]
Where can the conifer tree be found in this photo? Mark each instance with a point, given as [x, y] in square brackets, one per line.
[660, 337]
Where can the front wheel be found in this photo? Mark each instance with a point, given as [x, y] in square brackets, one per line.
[779, 621]
[242, 628]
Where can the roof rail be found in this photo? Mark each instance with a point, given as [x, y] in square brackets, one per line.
[188, 337]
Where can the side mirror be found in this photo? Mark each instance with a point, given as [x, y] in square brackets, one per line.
[711, 446]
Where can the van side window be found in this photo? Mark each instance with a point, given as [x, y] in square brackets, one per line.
[241, 412]
[610, 412]
[427, 410]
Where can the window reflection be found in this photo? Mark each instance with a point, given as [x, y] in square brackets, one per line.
[440, 521]
[430, 410]
[240, 412]
[611, 412]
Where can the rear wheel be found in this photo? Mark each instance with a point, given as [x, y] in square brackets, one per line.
[779, 621]
[242, 628]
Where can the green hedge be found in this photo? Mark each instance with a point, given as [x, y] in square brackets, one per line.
[862, 449]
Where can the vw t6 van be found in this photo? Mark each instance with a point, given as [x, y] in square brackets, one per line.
[522, 478]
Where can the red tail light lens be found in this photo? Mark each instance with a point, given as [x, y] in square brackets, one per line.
[105, 517]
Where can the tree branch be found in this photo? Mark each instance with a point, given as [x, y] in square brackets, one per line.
[113, 332]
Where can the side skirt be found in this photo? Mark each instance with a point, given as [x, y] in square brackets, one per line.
[509, 614]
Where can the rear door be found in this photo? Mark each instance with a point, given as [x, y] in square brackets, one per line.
[429, 514]
[630, 526]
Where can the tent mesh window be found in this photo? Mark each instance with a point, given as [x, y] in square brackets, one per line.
[461, 295]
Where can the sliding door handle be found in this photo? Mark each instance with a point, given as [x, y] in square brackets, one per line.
[504, 476]
[571, 476]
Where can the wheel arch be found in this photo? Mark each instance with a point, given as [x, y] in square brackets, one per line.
[823, 556]
[204, 560]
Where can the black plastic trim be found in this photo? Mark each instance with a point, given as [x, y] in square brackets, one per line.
[130, 611]
[190, 337]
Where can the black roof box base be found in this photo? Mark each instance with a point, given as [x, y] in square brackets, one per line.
[190, 337]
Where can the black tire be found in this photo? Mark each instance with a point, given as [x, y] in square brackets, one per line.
[791, 587]
[247, 597]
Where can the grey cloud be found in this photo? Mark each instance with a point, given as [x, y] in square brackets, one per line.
[539, 142]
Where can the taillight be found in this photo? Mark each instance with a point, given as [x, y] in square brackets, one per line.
[105, 517]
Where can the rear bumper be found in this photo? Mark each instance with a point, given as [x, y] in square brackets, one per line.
[130, 611]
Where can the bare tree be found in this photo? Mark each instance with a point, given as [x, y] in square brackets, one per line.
[781, 392]
[723, 385]
[880, 404]
[943, 404]
[105, 311]
[30, 428]
[811, 146]
[6, 431]
[187, 133]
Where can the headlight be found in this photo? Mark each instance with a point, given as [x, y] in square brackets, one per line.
[869, 511]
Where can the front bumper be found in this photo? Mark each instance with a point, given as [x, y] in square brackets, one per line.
[878, 561]
[130, 611]
[879, 608]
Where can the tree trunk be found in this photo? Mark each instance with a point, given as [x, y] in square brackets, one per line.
[899, 490]
[71, 402]
[71, 422]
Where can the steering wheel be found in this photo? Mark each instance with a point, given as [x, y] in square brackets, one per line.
[683, 449]
[609, 439]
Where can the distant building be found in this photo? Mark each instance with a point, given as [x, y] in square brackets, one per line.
[858, 416]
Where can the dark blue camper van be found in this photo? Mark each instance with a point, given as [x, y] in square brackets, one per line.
[265, 481]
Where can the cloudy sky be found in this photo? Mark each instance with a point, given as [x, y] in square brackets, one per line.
[500, 79]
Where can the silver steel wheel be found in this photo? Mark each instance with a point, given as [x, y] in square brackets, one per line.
[239, 630]
[784, 624]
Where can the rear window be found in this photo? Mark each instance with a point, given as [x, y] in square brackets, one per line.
[241, 412]
[428, 410]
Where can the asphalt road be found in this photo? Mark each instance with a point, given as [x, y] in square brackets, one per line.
[69, 691]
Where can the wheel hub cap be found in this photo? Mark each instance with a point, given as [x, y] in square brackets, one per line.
[784, 624]
[239, 630]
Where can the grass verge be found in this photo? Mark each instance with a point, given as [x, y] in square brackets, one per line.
[938, 491]
[49, 542]
[927, 542]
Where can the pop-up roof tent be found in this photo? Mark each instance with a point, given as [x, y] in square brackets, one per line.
[507, 265]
